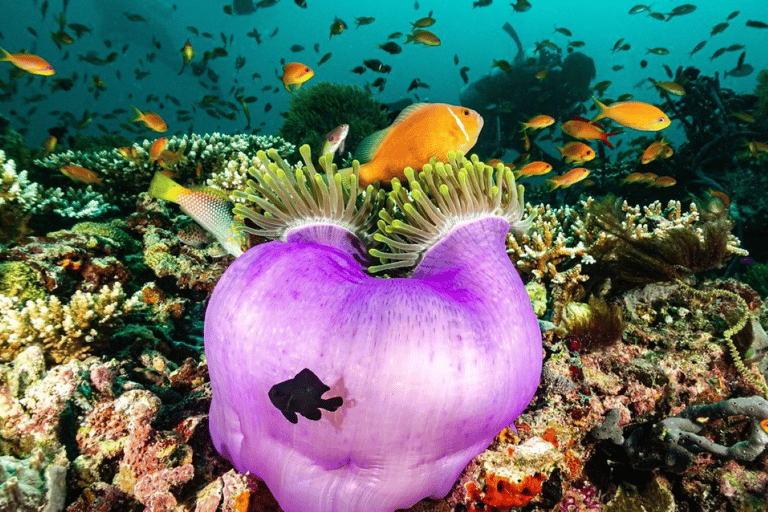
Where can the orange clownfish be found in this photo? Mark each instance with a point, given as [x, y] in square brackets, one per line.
[151, 120]
[28, 62]
[633, 114]
[295, 74]
[421, 131]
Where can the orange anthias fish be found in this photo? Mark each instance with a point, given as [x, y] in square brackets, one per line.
[635, 177]
[538, 122]
[421, 131]
[633, 114]
[653, 151]
[28, 62]
[664, 182]
[536, 168]
[129, 153]
[582, 128]
[49, 145]
[209, 207]
[576, 152]
[157, 147]
[81, 174]
[295, 74]
[569, 178]
[151, 120]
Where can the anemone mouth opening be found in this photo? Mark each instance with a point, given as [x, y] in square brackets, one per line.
[289, 198]
[441, 197]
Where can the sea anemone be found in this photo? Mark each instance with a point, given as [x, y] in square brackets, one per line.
[347, 392]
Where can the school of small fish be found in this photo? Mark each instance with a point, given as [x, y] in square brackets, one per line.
[421, 131]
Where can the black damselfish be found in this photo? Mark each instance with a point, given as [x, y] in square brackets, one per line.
[301, 394]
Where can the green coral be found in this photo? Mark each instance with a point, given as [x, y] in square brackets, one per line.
[17, 279]
[316, 110]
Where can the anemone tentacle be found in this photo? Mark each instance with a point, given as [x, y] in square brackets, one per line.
[441, 197]
[290, 198]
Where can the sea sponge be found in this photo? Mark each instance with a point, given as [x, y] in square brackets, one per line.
[316, 110]
[345, 392]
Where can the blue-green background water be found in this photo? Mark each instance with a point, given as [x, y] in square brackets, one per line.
[473, 34]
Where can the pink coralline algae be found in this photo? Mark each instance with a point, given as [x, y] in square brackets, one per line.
[423, 371]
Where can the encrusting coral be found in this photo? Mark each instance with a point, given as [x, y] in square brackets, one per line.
[457, 341]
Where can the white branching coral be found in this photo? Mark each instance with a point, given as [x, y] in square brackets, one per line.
[66, 331]
[15, 187]
[556, 236]
[74, 203]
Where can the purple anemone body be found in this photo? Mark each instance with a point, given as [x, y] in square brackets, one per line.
[430, 367]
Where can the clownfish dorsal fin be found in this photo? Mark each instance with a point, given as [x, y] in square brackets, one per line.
[368, 146]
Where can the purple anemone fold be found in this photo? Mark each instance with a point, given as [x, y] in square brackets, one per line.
[394, 384]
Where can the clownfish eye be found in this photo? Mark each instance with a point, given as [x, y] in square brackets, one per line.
[466, 112]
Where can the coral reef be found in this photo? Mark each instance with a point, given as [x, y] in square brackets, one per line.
[105, 393]
[606, 246]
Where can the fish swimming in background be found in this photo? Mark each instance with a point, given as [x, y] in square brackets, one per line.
[670, 87]
[334, 140]
[581, 128]
[151, 120]
[49, 145]
[538, 122]
[653, 151]
[208, 206]
[424, 37]
[566, 180]
[28, 62]
[187, 54]
[337, 27]
[537, 168]
[421, 131]
[295, 74]
[81, 174]
[157, 148]
[576, 153]
[633, 114]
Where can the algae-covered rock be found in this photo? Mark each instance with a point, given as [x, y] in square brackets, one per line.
[19, 280]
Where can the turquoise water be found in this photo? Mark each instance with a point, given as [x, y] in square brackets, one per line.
[474, 35]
